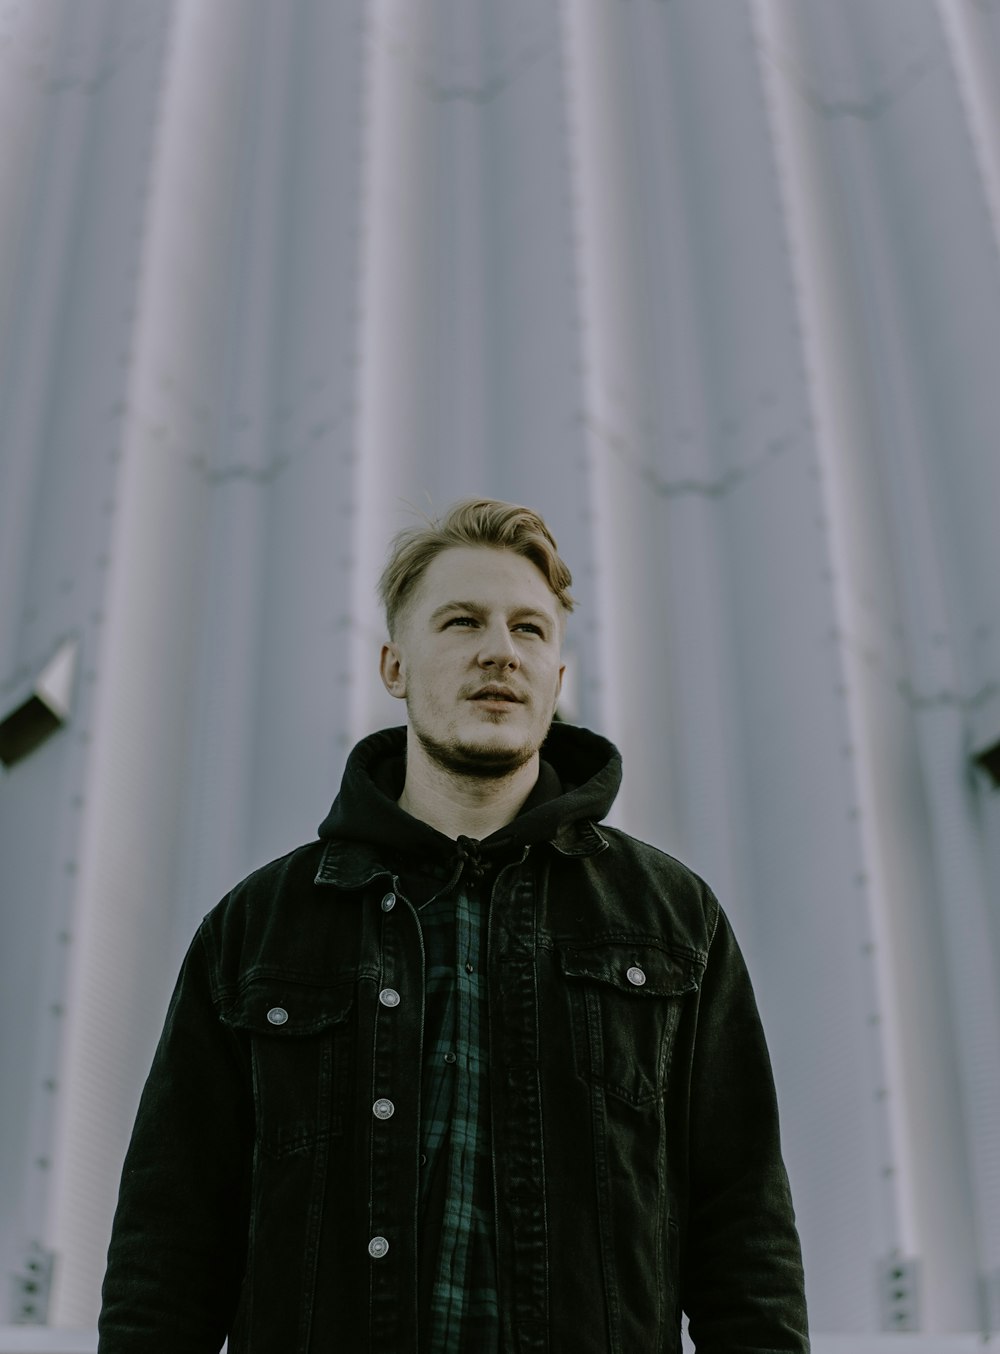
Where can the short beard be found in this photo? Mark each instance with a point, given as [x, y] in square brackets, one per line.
[474, 759]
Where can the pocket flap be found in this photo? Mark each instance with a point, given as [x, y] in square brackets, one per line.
[287, 1009]
[634, 969]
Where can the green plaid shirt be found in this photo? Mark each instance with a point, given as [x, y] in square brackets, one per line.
[458, 1283]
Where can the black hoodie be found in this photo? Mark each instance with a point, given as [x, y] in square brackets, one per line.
[579, 776]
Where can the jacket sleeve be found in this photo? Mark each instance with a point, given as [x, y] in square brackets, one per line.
[742, 1280]
[178, 1243]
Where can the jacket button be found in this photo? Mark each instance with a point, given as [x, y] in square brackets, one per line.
[388, 902]
[277, 1015]
[378, 1247]
[450, 1058]
[383, 1109]
[636, 976]
[389, 996]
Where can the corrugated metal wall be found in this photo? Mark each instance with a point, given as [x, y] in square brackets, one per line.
[715, 285]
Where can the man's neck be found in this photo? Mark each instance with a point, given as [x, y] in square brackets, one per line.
[463, 806]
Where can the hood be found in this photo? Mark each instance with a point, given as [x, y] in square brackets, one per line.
[579, 776]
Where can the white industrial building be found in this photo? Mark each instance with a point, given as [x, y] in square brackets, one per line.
[715, 286]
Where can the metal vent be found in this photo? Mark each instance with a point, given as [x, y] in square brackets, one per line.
[40, 710]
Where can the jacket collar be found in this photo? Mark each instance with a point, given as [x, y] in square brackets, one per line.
[580, 839]
[350, 865]
[354, 865]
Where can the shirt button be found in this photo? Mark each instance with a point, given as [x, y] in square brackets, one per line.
[450, 1058]
[389, 996]
[636, 976]
[468, 968]
[388, 902]
[277, 1015]
[378, 1247]
[423, 1158]
[383, 1109]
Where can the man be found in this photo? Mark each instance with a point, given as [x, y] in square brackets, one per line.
[470, 1073]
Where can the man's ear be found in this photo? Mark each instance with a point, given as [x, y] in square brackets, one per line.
[390, 666]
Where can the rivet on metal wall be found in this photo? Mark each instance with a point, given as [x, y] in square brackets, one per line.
[898, 1290]
[32, 1284]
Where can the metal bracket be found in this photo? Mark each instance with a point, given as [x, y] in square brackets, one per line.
[32, 1286]
[43, 707]
[899, 1293]
[988, 760]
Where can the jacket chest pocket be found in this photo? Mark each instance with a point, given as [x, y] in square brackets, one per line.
[301, 1055]
[626, 1001]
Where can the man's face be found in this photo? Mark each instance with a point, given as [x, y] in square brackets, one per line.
[477, 660]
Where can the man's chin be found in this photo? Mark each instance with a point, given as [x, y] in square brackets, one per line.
[490, 759]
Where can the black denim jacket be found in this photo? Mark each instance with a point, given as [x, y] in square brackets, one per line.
[635, 1131]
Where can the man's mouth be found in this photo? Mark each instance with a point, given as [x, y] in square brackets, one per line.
[496, 693]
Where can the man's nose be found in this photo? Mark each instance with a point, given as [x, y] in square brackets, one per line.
[498, 649]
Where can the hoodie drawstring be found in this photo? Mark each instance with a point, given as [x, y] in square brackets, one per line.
[467, 851]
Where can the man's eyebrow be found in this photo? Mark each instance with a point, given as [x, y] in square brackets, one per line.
[477, 609]
[457, 606]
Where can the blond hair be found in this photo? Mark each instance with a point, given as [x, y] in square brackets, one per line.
[471, 521]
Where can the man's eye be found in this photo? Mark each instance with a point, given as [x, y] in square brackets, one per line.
[471, 620]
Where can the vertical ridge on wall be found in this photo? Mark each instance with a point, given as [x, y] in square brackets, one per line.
[41, 214]
[925, 1177]
[922, 384]
[75, 256]
[628, 599]
[397, 368]
[973, 48]
[839, 425]
[238, 470]
[139, 768]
